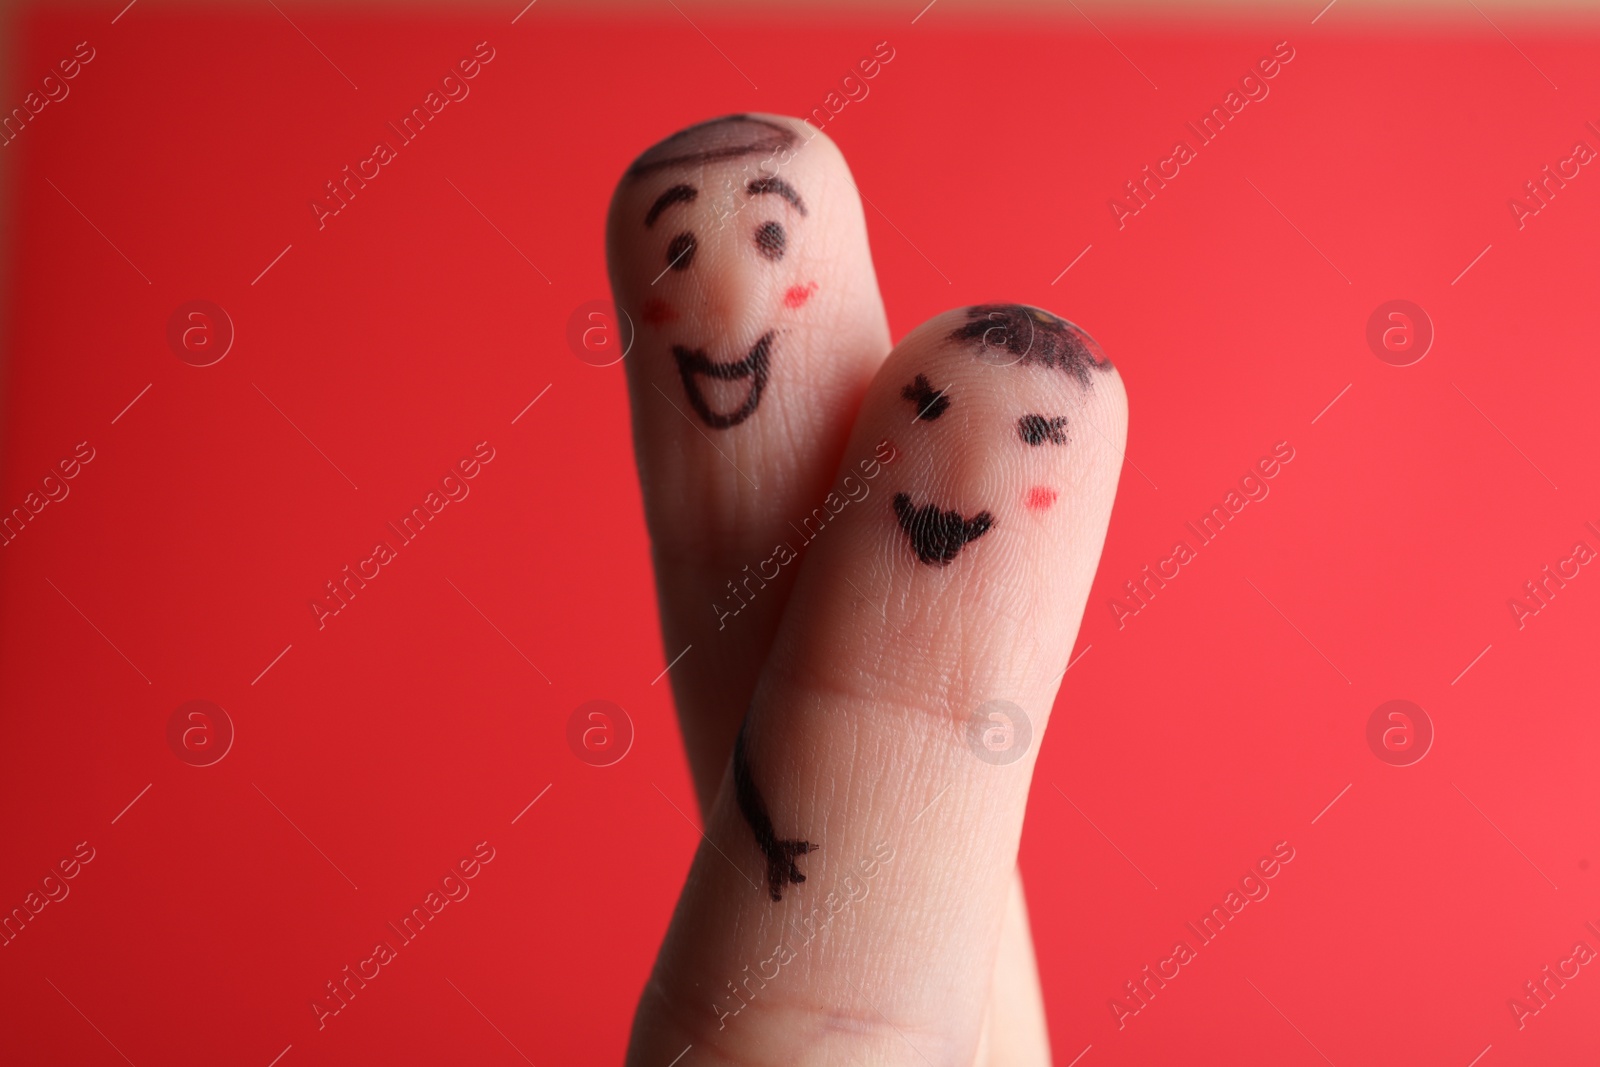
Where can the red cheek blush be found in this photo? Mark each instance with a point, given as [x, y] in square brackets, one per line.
[1040, 497]
[657, 312]
[799, 294]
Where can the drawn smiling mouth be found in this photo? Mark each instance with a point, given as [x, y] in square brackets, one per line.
[693, 364]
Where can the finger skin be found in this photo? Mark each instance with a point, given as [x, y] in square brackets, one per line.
[957, 577]
[1015, 1032]
[721, 678]
[739, 249]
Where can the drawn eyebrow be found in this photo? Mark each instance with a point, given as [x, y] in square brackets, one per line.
[758, 186]
[678, 194]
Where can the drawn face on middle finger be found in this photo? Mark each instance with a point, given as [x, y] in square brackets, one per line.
[722, 244]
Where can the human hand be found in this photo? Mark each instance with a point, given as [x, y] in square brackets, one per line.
[883, 557]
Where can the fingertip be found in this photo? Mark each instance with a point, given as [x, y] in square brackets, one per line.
[1050, 370]
[762, 145]
[725, 137]
[1020, 335]
[739, 233]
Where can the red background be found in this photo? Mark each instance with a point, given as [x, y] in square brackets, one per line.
[408, 330]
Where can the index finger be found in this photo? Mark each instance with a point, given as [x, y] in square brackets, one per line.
[739, 247]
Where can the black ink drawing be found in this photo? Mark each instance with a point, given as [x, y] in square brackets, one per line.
[710, 142]
[725, 138]
[760, 186]
[678, 194]
[1039, 429]
[1033, 337]
[771, 240]
[939, 536]
[781, 854]
[680, 253]
[930, 403]
[693, 364]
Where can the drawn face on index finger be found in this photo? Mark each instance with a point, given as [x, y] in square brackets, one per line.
[716, 271]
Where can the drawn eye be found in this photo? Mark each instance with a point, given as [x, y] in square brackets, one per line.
[771, 240]
[680, 253]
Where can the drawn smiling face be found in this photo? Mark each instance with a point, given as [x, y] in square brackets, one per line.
[999, 336]
[755, 207]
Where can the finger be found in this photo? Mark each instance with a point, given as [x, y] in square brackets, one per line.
[739, 248]
[867, 793]
[1015, 1033]
[724, 679]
